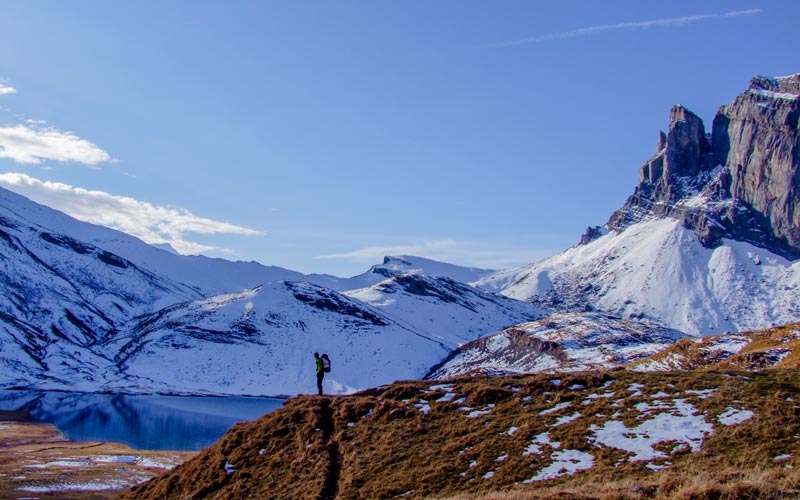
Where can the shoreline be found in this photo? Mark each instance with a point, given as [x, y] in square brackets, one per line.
[37, 461]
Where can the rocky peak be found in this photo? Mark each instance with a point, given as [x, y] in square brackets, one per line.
[782, 84]
[741, 182]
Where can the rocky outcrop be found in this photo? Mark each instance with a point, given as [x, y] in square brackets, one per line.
[742, 181]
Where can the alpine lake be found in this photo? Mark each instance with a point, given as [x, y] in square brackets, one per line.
[143, 422]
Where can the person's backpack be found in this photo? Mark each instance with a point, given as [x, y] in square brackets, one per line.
[326, 364]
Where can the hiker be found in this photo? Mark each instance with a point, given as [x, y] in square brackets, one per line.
[320, 372]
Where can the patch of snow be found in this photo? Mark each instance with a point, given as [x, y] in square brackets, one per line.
[450, 396]
[567, 419]
[734, 416]
[729, 344]
[781, 458]
[778, 354]
[111, 484]
[512, 431]
[229, 469]
[774, 95]
[540, 439]
[556, 408]
[702, 394]
[592, 397]
[157, 464]
[59, 463]
[489, 475]
[683, 425]
[480, 413]
[122, 459]
[423, 406]
[441, 387]
[565, 462]
[636, 389]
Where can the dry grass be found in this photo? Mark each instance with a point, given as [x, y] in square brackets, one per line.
[380, 444]
[720, 485]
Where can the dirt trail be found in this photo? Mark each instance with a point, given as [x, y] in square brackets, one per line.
[331, 484]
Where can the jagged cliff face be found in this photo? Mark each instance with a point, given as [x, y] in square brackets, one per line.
[740, 182]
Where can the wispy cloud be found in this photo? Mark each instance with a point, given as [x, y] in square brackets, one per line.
[150, 223]
[34, 142]
[468, 253]
[6, 89]
[635, 25]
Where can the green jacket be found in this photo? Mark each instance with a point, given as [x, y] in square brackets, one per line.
[319, 366]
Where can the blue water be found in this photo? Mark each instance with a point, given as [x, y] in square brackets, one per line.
[142, 422]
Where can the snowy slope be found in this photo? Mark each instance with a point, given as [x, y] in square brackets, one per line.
[260, 342]
[658, 270]
[563, 342]
[451, 311]
[59, 296]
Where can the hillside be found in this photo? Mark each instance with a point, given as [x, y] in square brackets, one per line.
[561, 343]
[658, 435]
[260, 342]
[777, 347]
[88, 308]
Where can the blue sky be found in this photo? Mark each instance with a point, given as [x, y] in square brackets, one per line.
[320, 136]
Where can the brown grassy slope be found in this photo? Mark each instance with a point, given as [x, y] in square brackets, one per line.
[777, 347]
[381, 444]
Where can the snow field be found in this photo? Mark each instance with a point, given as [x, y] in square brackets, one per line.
[659, 270]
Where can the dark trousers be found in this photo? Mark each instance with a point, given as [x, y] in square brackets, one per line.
[320, 376]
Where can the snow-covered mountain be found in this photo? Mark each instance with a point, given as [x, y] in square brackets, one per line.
[90, 308]
[452, 312]
[660, 271]
[260, 342]
[559, 343]
[702, 244]
[60, 295]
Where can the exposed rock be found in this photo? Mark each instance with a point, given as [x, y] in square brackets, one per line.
[591, 234]
[743, 184]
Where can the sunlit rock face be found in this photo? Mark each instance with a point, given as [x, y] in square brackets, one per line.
[740, 181]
